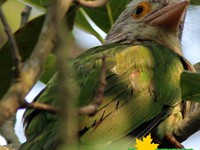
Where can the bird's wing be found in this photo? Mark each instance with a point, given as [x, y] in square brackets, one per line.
[142, 83]
[142, 87]
[42, 125]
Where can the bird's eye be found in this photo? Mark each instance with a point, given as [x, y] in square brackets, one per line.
[138, 10]
[141, 10]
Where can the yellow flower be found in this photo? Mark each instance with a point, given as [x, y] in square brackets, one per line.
[145, 144]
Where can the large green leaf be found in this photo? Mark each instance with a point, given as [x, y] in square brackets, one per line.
[105, 16]
[26, 39]
[84, 24]
[50, 69]
[195, 2]
[40, 4]
[13, 19]
[190, 86]
[2, 1]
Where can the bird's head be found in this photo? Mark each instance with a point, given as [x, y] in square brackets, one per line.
[149, 20]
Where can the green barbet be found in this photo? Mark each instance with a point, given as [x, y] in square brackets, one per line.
[146, 75]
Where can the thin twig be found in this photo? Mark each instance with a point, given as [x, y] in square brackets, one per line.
[16, 58]
[92, 108]
[188, 126]
[92, 3]
[32, 69]
[42, 106]
[25, 15]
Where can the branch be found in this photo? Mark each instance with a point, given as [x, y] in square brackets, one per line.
[31, 70]
[8, 132]
[7, 129]
[188, 126]
[41, 106]
[67, 100]
[16, 58]
[170, 141]
[9, 147]
[25, 15]
[92, 108]
[92, 3]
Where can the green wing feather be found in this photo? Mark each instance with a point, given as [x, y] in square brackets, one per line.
[143, 82]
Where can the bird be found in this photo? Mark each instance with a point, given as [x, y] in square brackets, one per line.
[143, 94]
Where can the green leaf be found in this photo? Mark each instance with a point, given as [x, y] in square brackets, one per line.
[39, 4]
[84, 24]
[195, 2]
[2, 1]
[105, 16]
[190, 86]
[13, 19]
[50, 69]
[26, 39]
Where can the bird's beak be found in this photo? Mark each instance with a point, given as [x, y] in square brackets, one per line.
[169, 16]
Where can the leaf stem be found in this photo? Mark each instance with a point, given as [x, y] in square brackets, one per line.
[41, 106]
[109, 13]
[25, 15]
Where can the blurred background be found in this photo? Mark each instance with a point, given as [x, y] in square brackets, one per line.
[191, 50]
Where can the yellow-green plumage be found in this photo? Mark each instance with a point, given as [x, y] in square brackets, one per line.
[145, 80]
[141, 81]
